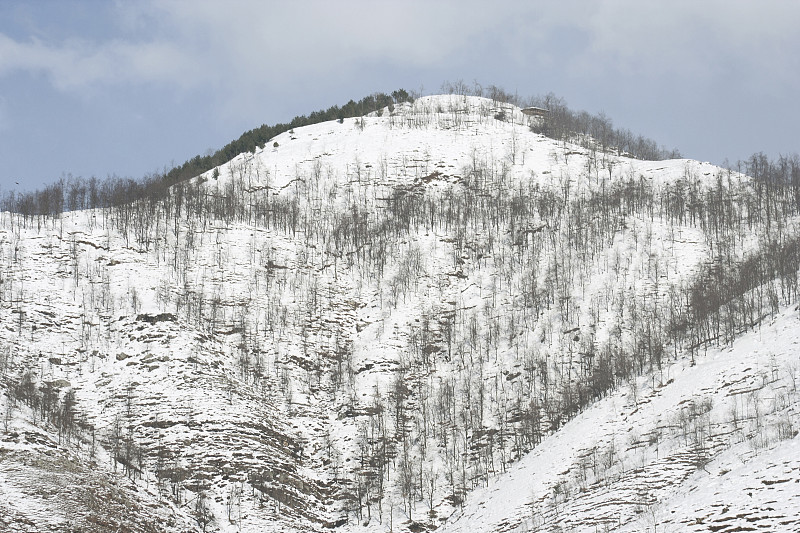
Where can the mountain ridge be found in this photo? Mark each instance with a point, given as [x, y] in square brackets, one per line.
[366, 321]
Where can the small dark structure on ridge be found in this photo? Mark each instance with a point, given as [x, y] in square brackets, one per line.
[535, 112]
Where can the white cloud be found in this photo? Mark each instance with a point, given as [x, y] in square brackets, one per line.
[256, 45]
[76, 64]
[248, 42]
[692, 39]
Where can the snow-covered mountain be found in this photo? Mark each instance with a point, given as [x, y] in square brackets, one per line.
[428, 317]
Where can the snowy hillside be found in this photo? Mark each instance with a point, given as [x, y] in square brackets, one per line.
[428, 317]
[712, 449]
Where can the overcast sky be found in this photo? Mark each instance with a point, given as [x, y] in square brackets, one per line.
[98, 87]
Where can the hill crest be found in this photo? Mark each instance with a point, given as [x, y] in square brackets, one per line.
[364, 325]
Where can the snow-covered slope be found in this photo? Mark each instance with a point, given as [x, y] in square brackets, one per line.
[46, 486]
[714, 449]
[381, 324]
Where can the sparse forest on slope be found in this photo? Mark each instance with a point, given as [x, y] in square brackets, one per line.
[363, 323]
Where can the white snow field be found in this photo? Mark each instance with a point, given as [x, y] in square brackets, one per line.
[704, 453]
[426, 318]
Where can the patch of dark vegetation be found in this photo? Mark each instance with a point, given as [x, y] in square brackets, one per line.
[152, 319]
